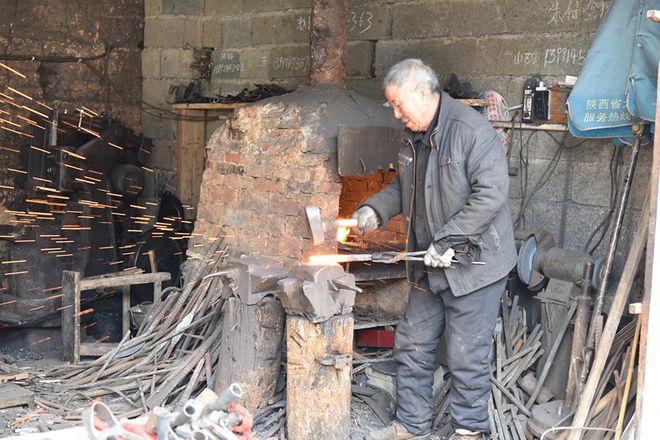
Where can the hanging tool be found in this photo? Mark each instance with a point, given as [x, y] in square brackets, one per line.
[318, 226]
[388, 257]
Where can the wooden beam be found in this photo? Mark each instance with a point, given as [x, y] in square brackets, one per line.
[123, 280]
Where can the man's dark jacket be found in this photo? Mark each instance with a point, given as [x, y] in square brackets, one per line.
[466, 193]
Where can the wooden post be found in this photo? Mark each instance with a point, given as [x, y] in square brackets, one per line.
[125, 306]
[250, 349]
[71, 316]
[648, 385]
[319, 378]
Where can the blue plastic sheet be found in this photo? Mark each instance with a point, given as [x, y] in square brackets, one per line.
[618, 83]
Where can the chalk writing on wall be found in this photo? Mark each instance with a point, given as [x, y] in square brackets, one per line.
[556, 56]
[290, 63]
[567, 11]
[302, 23]
[228, 62]
[360, 20]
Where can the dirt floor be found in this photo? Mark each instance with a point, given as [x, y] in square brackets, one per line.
[26, 420]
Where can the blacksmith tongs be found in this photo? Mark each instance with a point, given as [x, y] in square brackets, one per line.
[391, 257]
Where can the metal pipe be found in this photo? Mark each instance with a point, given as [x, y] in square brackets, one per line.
[231, 393]
[328, 41]
[609, 260]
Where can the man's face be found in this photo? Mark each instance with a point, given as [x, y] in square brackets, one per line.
[408, 104]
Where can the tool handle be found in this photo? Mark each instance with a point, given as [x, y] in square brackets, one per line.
[347, 222]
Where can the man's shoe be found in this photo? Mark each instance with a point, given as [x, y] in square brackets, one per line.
[466, 435]
[395, 431]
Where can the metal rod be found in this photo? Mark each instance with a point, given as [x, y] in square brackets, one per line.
[609, 260]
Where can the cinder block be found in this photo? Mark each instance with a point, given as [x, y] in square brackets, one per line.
[183, 7]
[424, 19]
[369, 22]
[222, 8]
[359, 58]
[170, 63]
[445, 56]
[544, 16]
[264, 6]
[280, 28]
[151, 63]
[155, 126]
[371, 88]
[155, 91]
[164, 32]
[479, 17]
[163, 154]
[153, 8]
[289, 61]
[236, 33]
[192, 32]
[590, 184]
[212, 33]
[255, 64]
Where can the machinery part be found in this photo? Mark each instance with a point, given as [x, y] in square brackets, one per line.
[526, 267]
[256, 277]
[318, 226]
[127, 180]
[388, 257]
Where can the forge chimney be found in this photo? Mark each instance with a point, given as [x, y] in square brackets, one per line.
[328, 42]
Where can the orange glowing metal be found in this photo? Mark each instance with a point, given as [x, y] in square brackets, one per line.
[342, 234]
[12, 70]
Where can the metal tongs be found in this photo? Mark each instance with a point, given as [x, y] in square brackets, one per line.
[391, 257]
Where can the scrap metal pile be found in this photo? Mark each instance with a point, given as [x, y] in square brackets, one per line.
[170, 359]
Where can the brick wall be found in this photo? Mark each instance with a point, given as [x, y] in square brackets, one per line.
[493, 44]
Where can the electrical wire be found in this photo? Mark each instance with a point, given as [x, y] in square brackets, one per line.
[604, 225]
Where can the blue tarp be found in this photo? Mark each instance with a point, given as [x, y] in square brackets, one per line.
[618, 83]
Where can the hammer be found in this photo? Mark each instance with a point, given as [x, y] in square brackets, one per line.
[318, 226]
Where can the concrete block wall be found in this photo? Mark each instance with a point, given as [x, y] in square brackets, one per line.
[493, 44]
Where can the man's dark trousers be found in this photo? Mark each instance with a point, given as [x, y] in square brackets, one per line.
[468, 323]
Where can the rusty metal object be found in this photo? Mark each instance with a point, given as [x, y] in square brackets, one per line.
[328, 40]
[255, 278]
[318, 292]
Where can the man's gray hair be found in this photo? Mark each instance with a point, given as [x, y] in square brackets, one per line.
[412, 71]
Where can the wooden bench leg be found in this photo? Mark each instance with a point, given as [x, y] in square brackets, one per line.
[71, 316]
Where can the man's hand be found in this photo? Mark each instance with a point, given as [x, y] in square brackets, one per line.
[433, 258]
[367, 219]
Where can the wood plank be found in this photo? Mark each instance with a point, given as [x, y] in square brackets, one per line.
[619, 304]
[648, 386]
[13, 377]
[14, 395]
[123, 280]
[250, 349]
[319, 391]
[190, 155]
[71, 316]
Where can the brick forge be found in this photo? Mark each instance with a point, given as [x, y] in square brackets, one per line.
[270, 161]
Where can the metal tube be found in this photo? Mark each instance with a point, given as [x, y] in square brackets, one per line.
[231, 393]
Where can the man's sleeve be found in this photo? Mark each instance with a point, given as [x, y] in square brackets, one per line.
[487, 172]
[386, 202]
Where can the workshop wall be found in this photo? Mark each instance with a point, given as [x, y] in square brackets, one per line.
[111, 83]
[563, 183]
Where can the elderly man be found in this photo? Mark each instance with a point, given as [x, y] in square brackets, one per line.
[452, 188]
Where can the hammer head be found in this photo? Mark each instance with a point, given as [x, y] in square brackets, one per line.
[313, 214]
